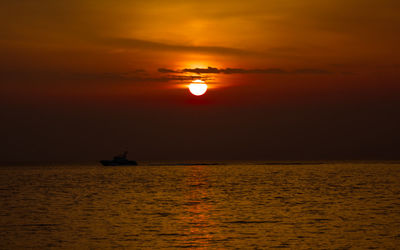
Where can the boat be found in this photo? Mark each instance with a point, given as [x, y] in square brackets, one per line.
[119, 160]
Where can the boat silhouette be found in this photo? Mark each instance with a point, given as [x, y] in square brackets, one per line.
[119, 160]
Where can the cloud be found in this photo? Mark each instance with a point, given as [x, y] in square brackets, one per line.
[129, 43]
[254, 71]
[133, 76]
[311, 71]
[212, 70]
[137, 76]
[209, 70]
[141, 75]
[163, 70]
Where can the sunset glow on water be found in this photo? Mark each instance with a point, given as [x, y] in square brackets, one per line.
[201, 207]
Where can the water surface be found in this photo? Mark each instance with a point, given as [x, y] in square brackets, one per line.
[201, 207]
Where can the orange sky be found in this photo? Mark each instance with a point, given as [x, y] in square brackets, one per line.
[67, 60]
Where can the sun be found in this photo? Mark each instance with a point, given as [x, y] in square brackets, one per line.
[198, 87]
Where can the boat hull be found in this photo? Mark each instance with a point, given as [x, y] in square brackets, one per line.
[114, 163]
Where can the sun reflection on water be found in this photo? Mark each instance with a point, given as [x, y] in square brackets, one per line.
[199, 228]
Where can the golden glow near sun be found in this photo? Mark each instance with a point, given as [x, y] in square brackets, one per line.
[198, 87]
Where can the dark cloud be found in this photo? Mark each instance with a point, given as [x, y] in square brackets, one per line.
[138, 76]
[254, 71]
[143, 44]
[163, 70]
[311, 71]
[211, 70]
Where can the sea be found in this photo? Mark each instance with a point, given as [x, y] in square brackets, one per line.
[247, 205]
